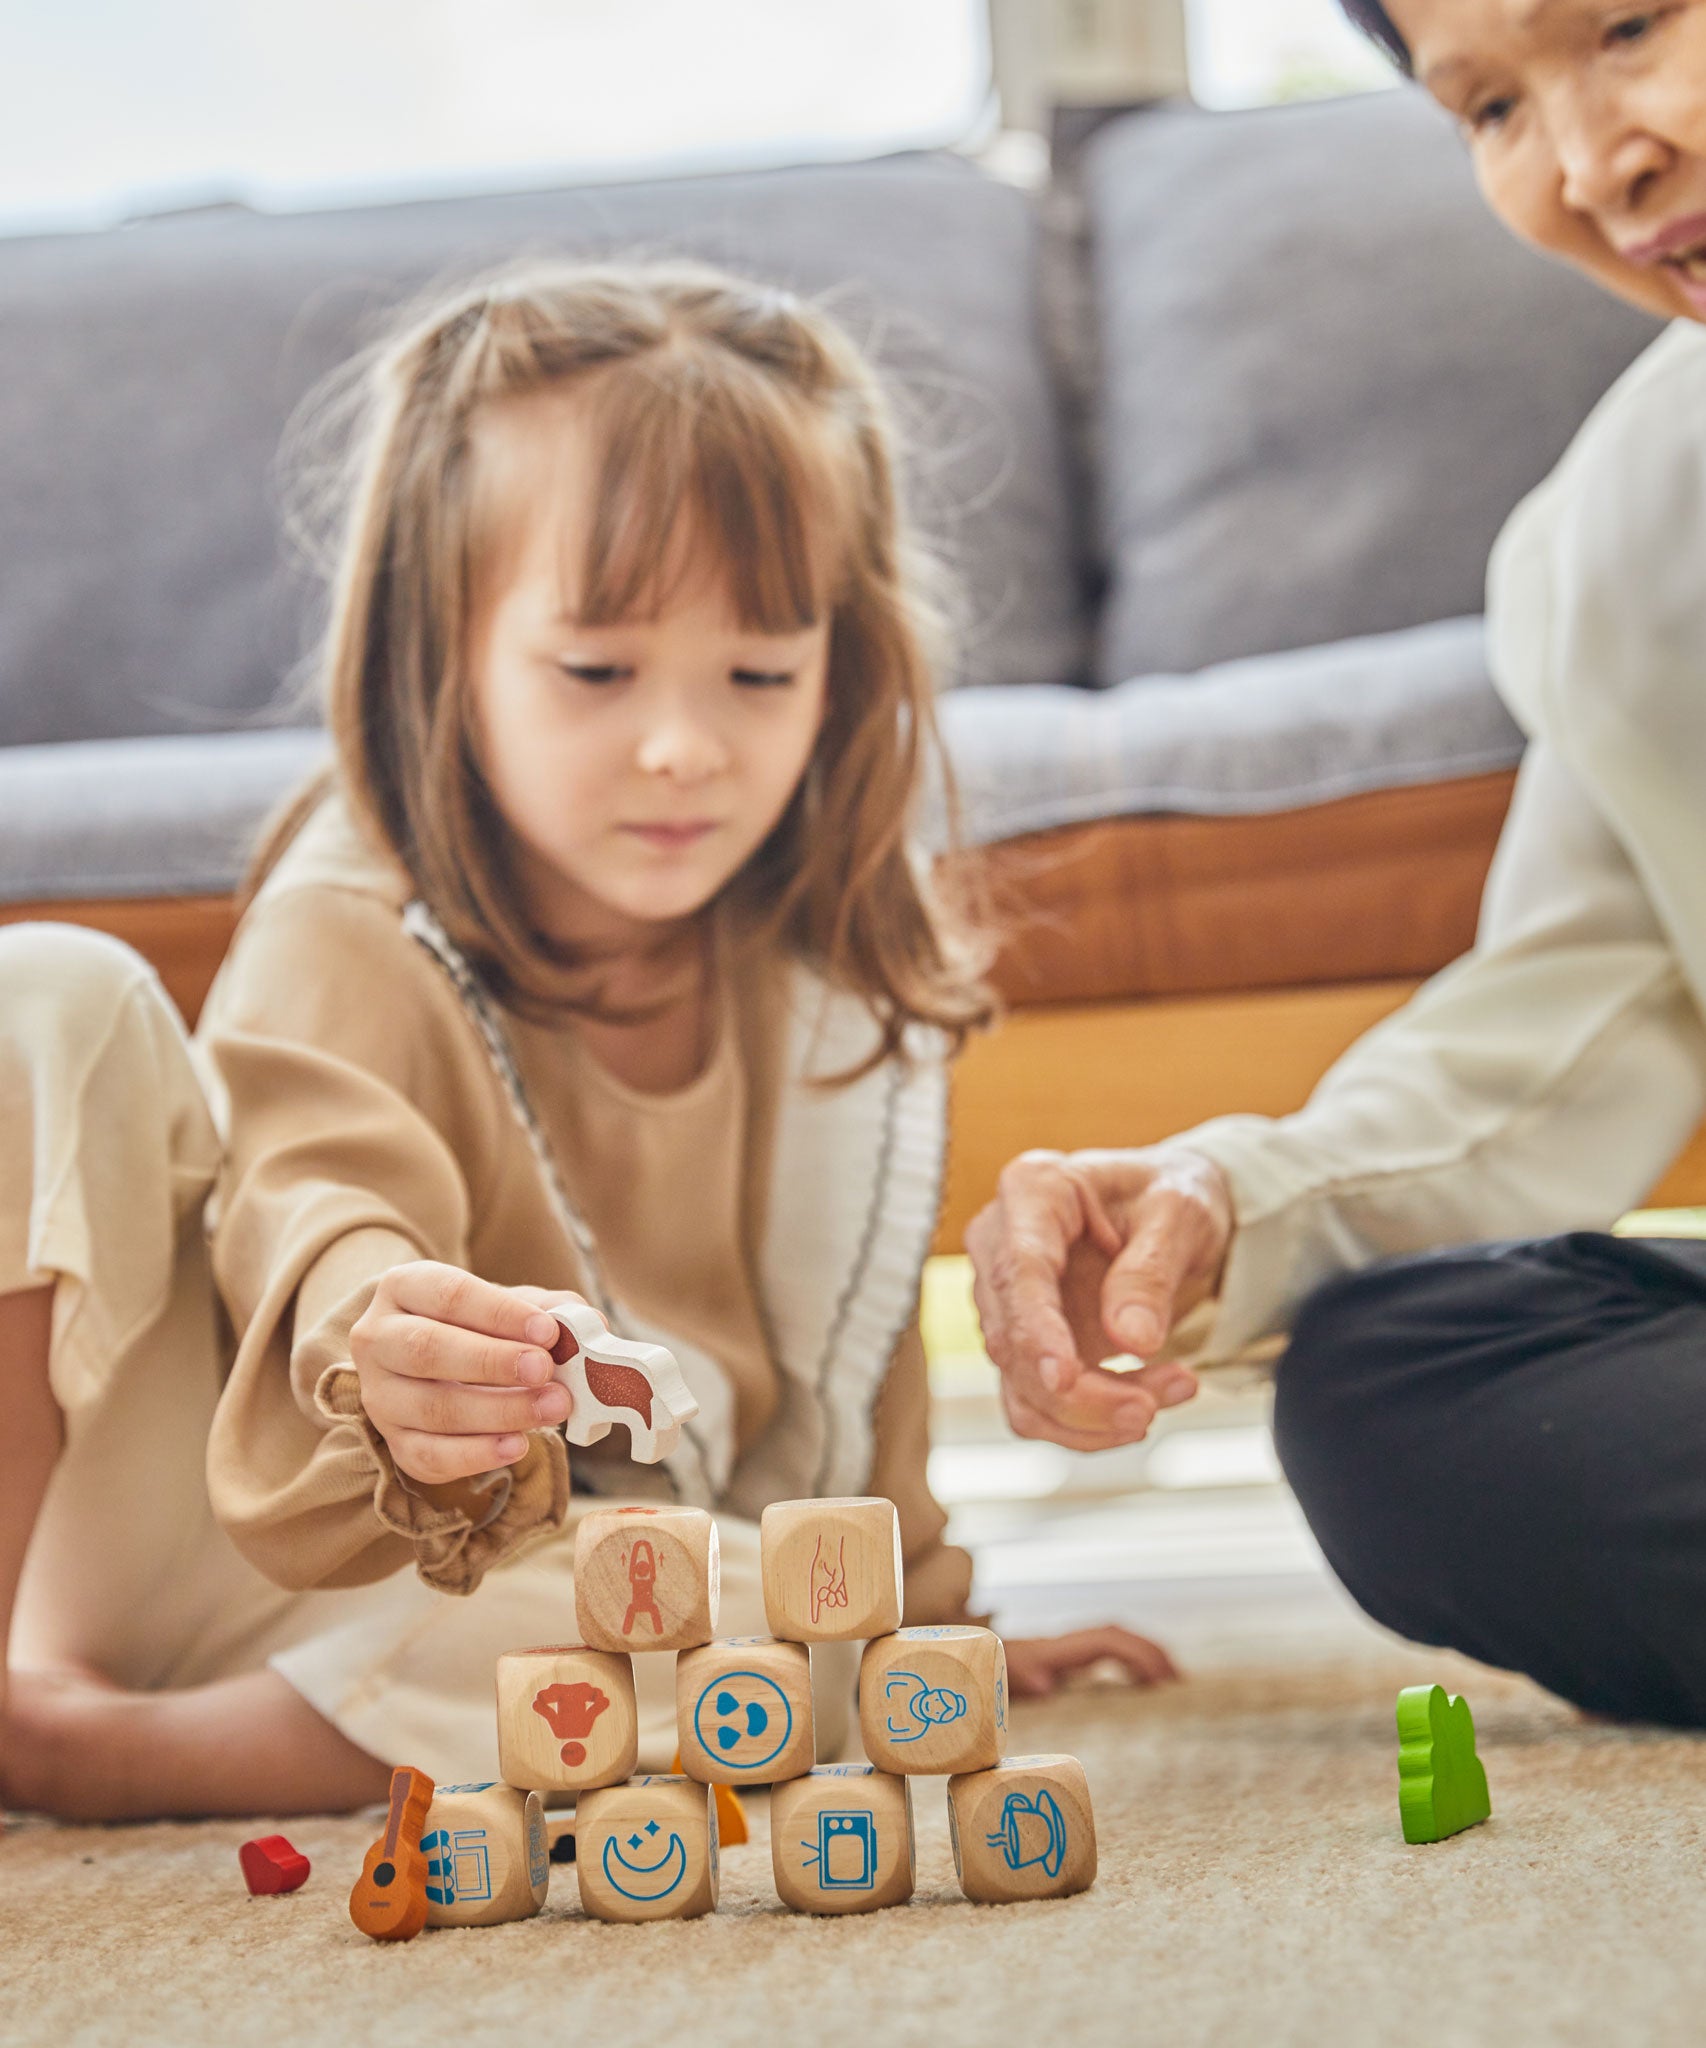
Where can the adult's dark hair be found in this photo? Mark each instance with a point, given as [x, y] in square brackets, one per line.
[1374, 21]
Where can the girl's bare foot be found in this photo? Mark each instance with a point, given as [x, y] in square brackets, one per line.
[74, 1745]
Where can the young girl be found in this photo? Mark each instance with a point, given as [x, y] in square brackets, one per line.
[600, 967]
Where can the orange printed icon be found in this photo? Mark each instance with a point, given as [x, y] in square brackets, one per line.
[571, 1710]
[828, 1579]
[642, 1586]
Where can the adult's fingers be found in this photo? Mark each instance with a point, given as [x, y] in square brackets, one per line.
[1019, 1247]
[1080, 1429]
[438, 1409]
[1179, 1228]
[420, 1347]
[446, 1294]
[434, 1459]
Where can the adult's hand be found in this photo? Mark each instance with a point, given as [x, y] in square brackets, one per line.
[1085, 1255]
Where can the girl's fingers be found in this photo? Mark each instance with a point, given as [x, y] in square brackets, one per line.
[417, 1347]
[436, 1409]
[446, 1294]
[434, 1459]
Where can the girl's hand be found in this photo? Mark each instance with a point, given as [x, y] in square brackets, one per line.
[455, 1370]
[1036, 1665]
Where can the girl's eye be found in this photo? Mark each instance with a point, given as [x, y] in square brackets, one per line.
[594, 672]
[1629, 30]
[763, 678]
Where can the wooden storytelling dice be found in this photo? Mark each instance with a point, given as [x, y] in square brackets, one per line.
[933, 1699]
[841, 1840]
[1023, 1830]
[647, 1850]
[831, 1569]
[566, 1718]
[646, 1578]
[486, 1854]
[743, 1711]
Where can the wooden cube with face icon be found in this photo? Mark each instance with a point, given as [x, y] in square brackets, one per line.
[647, 1850]
[743, 1711]
[646, 1578]
[832, 1571]
[566, 1718]
[933, 1700]
[1024, 1830]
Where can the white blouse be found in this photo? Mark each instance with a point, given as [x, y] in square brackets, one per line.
[1544, 1081]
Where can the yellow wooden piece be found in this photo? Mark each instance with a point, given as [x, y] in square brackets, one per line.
[841, 1840]
[732, 1829]
[831, 1569]
[566, 1718]
[1023, 1830]
[487, 1855]
[933, 1700]
[646, 1578]
[743, 1711]
[647, 1850]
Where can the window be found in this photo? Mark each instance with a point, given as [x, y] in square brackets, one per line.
[1249, 52]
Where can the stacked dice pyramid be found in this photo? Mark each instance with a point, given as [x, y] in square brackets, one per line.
[932, 1701]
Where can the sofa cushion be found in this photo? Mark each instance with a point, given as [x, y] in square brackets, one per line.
[1328, 376]
[146, 374]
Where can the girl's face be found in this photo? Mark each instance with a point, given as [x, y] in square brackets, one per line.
[1586, 122]
[638, 765]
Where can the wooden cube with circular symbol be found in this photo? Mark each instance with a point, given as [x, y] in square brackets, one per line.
[647, 1850]
[1024, 1830]
[933, 1700]
[832, 1571]
[646, 1578]
[841, 1840]
[743, 1711]
[566, 1718]
[486, 1854]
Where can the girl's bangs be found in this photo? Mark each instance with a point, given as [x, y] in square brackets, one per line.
[749, 493]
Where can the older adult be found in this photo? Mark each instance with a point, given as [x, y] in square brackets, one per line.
[1501, 1442]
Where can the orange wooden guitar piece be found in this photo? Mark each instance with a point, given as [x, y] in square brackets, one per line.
[389, 1901]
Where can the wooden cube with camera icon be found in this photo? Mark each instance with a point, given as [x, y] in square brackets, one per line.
[1024, 1830]
[841, 1840]
[566, 1718]
[646, 1578]
[832, 1569]
[933, 1700]
[647, 1850]
[487, 1859]
[743, 1711]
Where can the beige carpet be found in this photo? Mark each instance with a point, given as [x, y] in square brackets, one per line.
[1254, 1888]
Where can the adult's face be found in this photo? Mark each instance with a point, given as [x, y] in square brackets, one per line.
[1586, 123]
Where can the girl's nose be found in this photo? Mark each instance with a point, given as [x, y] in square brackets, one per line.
[682, 748]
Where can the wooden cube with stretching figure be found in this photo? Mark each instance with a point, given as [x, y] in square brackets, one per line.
[566, 1718]
[1024, 1830]
[487, 1859]
[841, 1840]
[831, 1569]
[647, 1850]
[615, 1379]
[933, 1699]
[646, 1578]
[743, 1711]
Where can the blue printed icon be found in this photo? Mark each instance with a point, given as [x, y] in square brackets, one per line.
[1032, 1833]
[459, 1866]
[743, 1718]
[633, 1875]
[845, 1851]
[914, 1707]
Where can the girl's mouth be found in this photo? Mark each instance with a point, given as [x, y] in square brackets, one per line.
[670, 838]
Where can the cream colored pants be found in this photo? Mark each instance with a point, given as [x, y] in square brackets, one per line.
[107, 1153]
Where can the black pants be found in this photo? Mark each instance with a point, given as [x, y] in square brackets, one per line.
[1502, 1448]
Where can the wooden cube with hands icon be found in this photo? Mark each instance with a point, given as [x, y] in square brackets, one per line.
[832, 1569]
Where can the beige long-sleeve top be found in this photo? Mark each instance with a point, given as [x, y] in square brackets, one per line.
[365, 1126]
[1543, 1082]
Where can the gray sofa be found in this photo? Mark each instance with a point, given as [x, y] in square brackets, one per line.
[1219, 437]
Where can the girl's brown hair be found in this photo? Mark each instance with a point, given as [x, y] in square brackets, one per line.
[715, 401]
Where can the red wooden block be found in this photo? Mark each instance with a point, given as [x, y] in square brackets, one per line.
[272, 1865]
